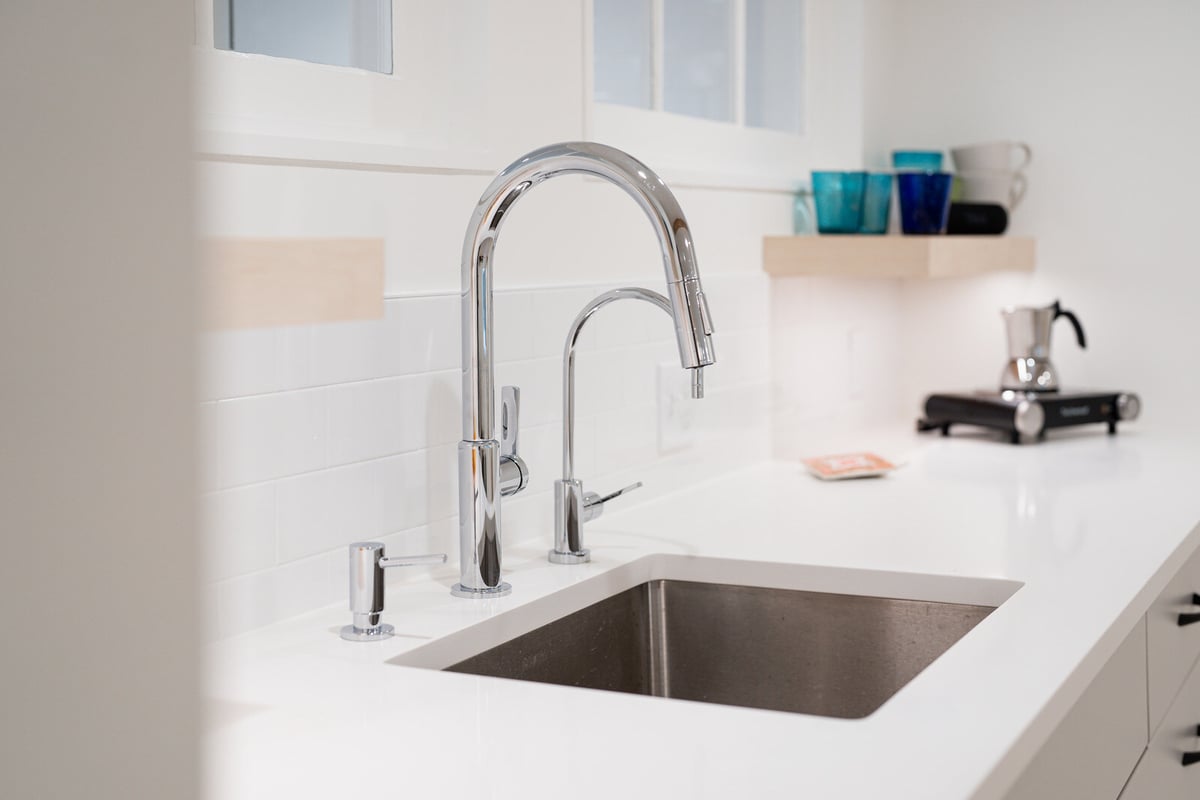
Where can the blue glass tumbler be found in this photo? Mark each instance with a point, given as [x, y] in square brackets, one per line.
[877, 201]
[839, 200]
[924, 201]
[917, 160]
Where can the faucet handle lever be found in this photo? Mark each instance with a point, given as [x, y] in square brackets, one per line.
[514, 474]
[510, 420]
[593, 503]
[593, 499]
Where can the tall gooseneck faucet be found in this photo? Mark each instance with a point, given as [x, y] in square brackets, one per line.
[487, 468]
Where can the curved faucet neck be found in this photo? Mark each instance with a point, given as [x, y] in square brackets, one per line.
[685, 295]
[630, 293]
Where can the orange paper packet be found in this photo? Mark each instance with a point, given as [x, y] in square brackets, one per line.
[849, 465]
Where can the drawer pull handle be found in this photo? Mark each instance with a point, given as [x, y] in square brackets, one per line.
[1192, 758]
[1188, 619]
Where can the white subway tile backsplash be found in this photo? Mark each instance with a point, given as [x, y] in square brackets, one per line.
[260, 598]
[270, 436]
[249, 362]
[416, 335]
[418, 487]
[239, 530]
[743, 356]
[373, 419]
[514, 326]
[553, 312]
[208, 431]
[626, 439]
[324, 435]
[631, 322]
[328, 509]
[738, 302]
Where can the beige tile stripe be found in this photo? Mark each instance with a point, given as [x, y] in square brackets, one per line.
[252, 282]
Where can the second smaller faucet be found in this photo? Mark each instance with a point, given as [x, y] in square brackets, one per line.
[572, 505]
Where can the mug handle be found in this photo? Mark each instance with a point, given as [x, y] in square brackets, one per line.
[1017, 191]
[1026, 152]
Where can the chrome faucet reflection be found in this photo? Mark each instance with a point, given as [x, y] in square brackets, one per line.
[486, 469]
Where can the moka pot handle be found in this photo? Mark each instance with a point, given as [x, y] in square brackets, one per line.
[1059, 311]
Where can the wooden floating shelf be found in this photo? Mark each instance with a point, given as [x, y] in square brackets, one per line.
[897, 256]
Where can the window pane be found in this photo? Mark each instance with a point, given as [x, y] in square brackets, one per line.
[345, 33]
[698, 58]
[775, 64]
[622, 40]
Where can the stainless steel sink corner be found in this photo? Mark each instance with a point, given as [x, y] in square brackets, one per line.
[807, 652]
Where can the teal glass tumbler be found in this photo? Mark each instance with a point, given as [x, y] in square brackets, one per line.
[877, 202]
[802, 214]
[839, 200]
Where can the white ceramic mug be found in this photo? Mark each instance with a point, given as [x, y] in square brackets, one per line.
[1001, 187]
[991, 157]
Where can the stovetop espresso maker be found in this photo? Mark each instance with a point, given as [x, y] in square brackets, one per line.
[1030, 401]
[1029, 368]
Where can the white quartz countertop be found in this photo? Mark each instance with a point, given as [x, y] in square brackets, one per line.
[1091, 527]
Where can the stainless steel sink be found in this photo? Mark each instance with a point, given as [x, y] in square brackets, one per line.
[807, 652]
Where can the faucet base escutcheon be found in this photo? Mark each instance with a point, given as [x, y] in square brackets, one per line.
[458, 590]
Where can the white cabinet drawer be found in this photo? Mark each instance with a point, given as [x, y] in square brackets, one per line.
[1173, 648]
[1161, 774]
[1092, 751]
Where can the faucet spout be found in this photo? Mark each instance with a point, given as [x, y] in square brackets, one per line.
[480, 460]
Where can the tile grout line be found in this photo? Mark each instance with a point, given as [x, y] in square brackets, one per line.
[605, 349]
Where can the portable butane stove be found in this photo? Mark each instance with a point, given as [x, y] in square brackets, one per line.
[1026, 416]
[1029, 401]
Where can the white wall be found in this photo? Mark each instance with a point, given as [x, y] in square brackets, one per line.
[322, 435]
[1104, 92]
[99, 677]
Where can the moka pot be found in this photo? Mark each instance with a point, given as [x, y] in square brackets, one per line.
[1029, 368]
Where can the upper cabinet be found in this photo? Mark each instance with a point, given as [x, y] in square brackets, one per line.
[352, 33]
[720, 60]
[721, 91]
[745, 93]
[454, 84]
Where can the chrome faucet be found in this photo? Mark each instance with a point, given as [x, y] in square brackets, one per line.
[489, 469]
[572, 505]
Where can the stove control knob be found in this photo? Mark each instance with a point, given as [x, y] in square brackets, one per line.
[1029, 417]
[1129, 406]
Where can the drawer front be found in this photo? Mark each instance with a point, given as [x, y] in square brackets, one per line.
[1161, 774]
[1173, 648]
[1092, 751]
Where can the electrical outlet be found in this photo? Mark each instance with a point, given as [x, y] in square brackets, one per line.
[676, 408]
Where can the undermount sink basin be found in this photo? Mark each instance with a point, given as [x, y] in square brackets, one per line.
[834, 655]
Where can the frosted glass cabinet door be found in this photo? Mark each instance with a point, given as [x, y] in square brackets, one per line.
[774, 64]
[344, 33]
[698, 58]
[623, 34]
